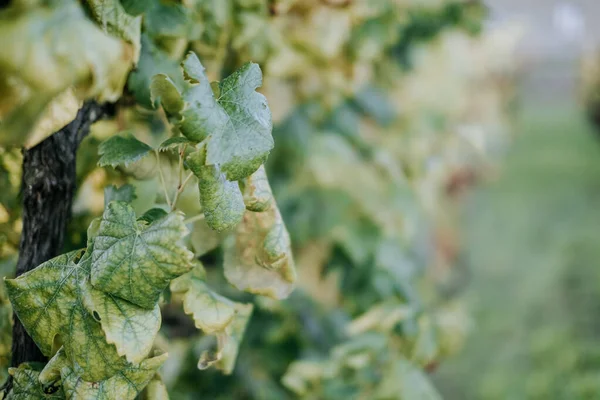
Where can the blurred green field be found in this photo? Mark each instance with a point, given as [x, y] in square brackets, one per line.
[532, 249]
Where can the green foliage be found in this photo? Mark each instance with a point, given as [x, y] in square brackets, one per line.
[122, 150]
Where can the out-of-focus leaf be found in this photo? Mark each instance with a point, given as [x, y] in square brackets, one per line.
[49, 301]
[125, 193]
[74, 52]
[27, 387]
[136, 7]
[204, 239]
[152, 61]
[126, 385]
[237, 124]
[153, 214]
[135, 260]
[173, 143]
[156, 390]
[258, 257]
[113, 18]
[167, 19]
[122, 149]
[58, 113]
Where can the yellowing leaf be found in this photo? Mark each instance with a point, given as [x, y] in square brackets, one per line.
[211, 311]
[130, 328]
[26, 385]
[125, 385]
[135, 260]
[258, 257]
[113, 18]
[74, 51]
[49, 302]
[235, 333]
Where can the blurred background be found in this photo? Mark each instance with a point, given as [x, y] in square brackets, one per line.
[437, 163]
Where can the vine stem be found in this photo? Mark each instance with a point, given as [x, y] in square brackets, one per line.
[180, 190]
[195, 218]
[162, 179]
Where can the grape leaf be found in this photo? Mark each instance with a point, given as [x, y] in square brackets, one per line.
[122, 149]
[125, 385]
[125, 193]
[130, 328]
[173, 143]
[237, 124]
[152, 61]
[26, 385]
[116, 21]
[135, 260]
[167, 19]
[211, 311]
[257, 192]
[71, 50]
[49, 301]
[222, 200]
[235, 333]
[203, 238]
[258, 257]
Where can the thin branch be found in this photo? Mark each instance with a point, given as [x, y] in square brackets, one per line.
[195, 218]
[162, 178]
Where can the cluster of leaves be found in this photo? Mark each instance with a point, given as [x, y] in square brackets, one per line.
[96, 311]
[367, 152]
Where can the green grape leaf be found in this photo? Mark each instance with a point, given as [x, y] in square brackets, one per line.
[211, 312]
[164, 91]
[174, 143]
[49, 301]
[156, 390]
[125, 193]
[125, 385]
[153, 214]
[222, 200]
[135, 260]
[237, 124]
[258, 257]
[257, 191]
[26, 385]
[130, 328]
[122, 149]
[152, 61]
[111, 15]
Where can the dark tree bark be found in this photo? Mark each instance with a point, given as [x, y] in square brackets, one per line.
[47, 189]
